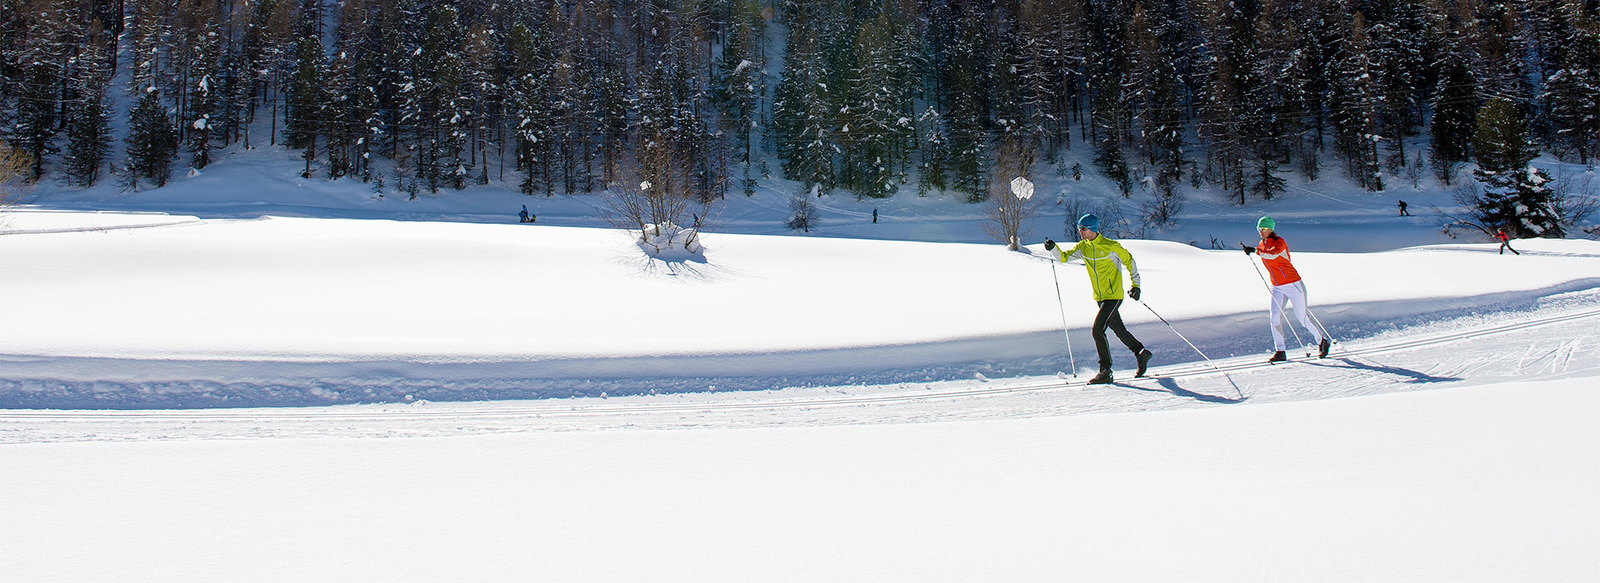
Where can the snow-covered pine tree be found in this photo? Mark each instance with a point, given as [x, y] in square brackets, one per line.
[1273, 96]
[38, 63]
[1321, 31]
[1154, 89]
[881, 92]
[441, 74]
[1221, 98]
[304, 96]
[611, 98]
[1572, 94]
[1400, 40]
[1050, 39]
[568, 94]
[205, 97]
[1516, 196]
[229, 78]
[89, 115]
[735, 82]
[1354, 106]
[528, 69]
[484, 95]
[1500, 38]
[342, 125]
[970, 57]
[1455, 107]
[152, 139]
[395, 46]
[933, 148]
[1111, 111]
[803, 114]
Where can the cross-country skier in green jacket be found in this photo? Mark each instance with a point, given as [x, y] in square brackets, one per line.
[1105, 260]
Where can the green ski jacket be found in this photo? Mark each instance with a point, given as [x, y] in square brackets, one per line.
[1104, 259]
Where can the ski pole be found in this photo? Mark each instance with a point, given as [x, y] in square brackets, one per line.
[1292, 330]
[1191, 345]
[1325, 333]
[1062, 306]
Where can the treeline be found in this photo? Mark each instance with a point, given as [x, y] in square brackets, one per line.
[864, 96]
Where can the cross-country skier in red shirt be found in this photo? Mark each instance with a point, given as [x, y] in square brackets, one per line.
[1505, 241]
[1286, 288]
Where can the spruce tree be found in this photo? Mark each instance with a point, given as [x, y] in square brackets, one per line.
[442, 128]
[89, 117]
[152, 140]
[803, 115]
[1111, 114]
[1516, 196]
[529, 62]
[1455, 108]
[36, 123]
[305, 99]
[206, 102]
[1572, 97]
[880, 98]
[735, 85]
[1354, 106]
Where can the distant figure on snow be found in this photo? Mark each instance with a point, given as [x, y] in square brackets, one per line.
[1505, 241]
[525, 216]
[1286, 288]
[874, 216]
[1105, 260]
[1403, 211]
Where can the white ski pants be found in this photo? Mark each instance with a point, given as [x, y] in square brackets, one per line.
[1294, 293]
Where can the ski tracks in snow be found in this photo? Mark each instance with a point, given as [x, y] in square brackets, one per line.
[1544, 344]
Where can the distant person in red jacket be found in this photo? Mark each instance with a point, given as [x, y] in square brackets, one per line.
[1505, 241]
[1286, 289]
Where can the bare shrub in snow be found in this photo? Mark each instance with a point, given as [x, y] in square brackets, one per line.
[1010, 193]
[14, 166]
[657, 202]
[802, 212]
[1163, 211]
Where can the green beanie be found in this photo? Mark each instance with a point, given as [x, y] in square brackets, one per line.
[1267, 223]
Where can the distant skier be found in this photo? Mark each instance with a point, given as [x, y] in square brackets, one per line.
[1505, 241]
[874, 216]
[525, 216]
[1105, 259]
[1286, 287]
[1403, 211]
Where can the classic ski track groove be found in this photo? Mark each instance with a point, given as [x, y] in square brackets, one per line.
[1185, 370]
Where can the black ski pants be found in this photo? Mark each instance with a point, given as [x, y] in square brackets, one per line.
[1109, 318]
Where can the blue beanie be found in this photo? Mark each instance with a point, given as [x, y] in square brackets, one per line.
[1090, 222]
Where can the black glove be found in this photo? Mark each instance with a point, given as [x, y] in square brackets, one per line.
[1247, 249]
[1049, 245]
[1134, 293]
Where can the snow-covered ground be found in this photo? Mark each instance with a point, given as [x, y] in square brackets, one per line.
[297, 381]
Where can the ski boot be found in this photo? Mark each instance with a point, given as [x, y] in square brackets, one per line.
[1104, 378]
[1144, 361]
[1278, 356]
[1322, 348]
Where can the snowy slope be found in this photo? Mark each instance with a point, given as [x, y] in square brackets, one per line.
[294, 311]
[247, 378]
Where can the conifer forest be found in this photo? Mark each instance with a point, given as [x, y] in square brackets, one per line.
[866, 97]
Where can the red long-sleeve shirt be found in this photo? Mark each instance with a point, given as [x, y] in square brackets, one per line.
[1274, 252]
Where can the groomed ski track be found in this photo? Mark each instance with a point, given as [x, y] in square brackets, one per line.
[1547, 343]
